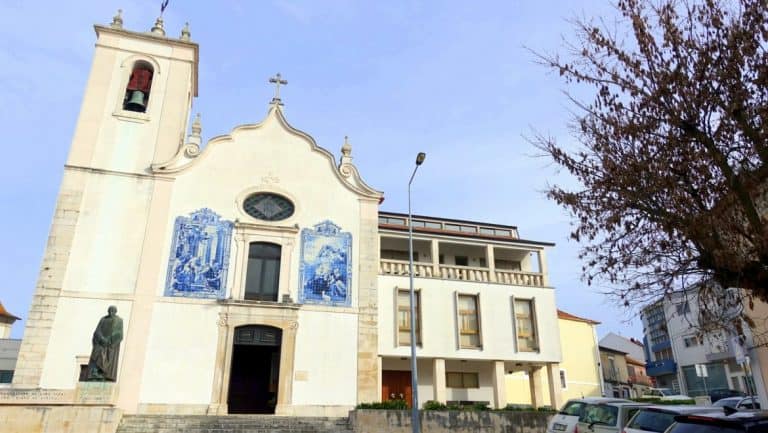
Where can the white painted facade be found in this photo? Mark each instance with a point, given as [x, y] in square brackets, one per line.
[133, 177]
[462, 258]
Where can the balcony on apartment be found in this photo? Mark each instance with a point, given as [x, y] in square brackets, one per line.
[660, 368]
[640, 380]
[460, 250]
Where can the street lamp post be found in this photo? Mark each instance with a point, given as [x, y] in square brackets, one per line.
[415, 422]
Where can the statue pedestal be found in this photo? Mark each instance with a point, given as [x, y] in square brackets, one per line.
[101, 393]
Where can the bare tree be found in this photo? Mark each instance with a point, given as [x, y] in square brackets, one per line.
[672, 150]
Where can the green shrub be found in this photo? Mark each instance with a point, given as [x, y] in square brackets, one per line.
[434, 405]
[384, 405]
[545, 409]
[518, 407]
[478, 407]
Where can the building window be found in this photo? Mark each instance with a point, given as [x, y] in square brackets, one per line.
[462, 380]
[563, 380]
[268, 207]
[525, 323]
[691, 341]
[683, 308]
[469, 322]
[138, 88]
[392, 221]
[663, 354]
[6, 376]
[507, 265]
[398, 255]
[263, 275]
[461, 260]
[404, 317]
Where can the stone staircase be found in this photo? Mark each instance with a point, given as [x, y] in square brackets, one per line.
[231, 424]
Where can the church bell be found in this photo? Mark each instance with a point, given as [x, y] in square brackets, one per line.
[136, 103]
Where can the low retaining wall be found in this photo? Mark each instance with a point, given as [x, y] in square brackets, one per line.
[59, 419]
[399, 421]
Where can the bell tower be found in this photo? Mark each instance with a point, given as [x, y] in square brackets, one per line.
[137, 100]
[112, 209]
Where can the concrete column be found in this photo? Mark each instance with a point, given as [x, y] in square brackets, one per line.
[490, 259]
[543, 268]
[435, 245]
[438, 379]
[536, 386]
[555, 390]
[499, 384]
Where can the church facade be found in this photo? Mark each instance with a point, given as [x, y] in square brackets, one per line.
[247, 286]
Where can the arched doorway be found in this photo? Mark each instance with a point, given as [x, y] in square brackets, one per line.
[255, 371]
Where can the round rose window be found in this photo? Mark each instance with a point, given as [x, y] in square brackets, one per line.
[267, 206]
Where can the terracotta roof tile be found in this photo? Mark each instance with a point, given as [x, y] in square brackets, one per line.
[568, 316]
[5, 313]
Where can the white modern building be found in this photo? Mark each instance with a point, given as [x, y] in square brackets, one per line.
[675, 345]
[255, 273]
[485, 310]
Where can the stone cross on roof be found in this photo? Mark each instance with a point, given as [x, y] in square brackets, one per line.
[277, 81]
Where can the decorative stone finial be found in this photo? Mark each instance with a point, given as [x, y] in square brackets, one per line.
[158, 27]
[197, 127]
[117, 20]
[345, 162]
[346, 148]
[185, 34]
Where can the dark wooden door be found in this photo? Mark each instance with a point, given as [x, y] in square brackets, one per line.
[396, 385]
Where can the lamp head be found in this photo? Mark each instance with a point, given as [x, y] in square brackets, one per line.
[420, 158]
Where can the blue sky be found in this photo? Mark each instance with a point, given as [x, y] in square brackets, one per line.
[451, 78]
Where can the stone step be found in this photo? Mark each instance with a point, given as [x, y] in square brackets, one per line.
[231, 424]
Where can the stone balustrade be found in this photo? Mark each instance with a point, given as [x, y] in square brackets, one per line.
[463, 273]
[519, 278]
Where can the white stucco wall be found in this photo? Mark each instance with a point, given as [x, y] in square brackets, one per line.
[108, 240]
[266, 158]
[325, 369]
[181, 354]
[439, 328]
[76, 319]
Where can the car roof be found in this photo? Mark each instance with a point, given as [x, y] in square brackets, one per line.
[737, 418]
[683, 408]
[599, 400]
[622, 403]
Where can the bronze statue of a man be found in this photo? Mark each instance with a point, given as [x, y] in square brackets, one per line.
[102, 366]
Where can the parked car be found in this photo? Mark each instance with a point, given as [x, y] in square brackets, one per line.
[566, 419]
[665, 394]
[608, 417]
[749, 422]
[720, 393]
[739, 403]
[658, 418]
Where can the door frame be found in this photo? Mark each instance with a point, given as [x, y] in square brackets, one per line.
[241, 313]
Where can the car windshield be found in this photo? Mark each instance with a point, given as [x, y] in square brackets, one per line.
[599, 414]
[726, 402]
[651, 420]
[698, 428]
[572, 408]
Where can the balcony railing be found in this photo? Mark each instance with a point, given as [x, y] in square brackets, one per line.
[640, 380]
[660, 368]
[463, 273]
[613, 375]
